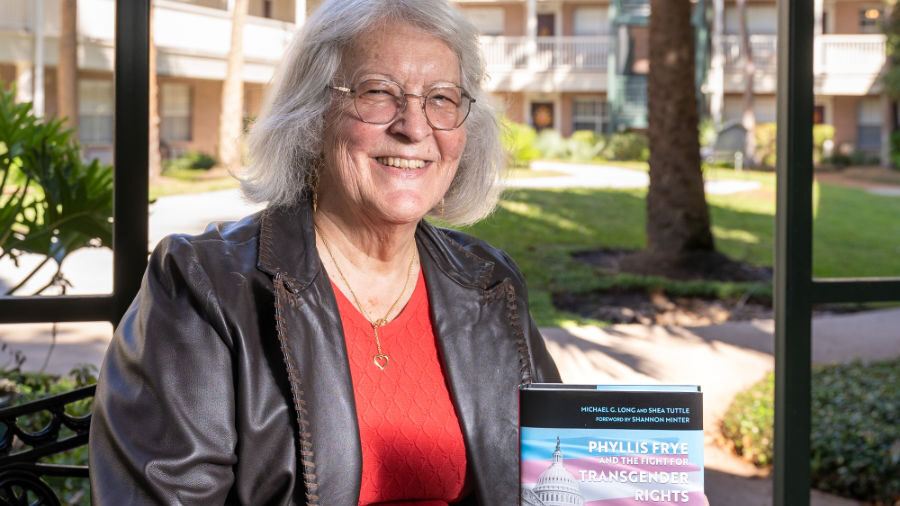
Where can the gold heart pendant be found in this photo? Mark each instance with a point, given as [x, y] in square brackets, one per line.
[381, 361]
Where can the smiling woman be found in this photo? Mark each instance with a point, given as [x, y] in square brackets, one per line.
[335, 348]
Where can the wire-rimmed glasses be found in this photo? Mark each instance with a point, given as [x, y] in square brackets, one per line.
[379, 102]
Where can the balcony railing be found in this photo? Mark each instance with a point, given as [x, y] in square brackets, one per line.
[833, 54]
[546, 53]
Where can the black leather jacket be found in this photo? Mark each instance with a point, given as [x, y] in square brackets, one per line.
[228, 382]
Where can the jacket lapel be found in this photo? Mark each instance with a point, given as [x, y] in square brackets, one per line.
[312, 343]
[476, 322]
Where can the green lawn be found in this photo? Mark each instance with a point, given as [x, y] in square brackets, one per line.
[855, 233]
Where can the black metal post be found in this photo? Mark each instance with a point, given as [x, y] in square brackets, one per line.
[793, 253]
[131, 149]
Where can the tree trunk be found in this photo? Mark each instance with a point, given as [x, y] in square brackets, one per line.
[67, 66]
[677, 214]
[154, 160]
[748, 119]
[232, 116]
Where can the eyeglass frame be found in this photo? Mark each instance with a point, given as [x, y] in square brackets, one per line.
[404, 101]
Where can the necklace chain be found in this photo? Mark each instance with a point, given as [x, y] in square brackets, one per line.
[380, 358]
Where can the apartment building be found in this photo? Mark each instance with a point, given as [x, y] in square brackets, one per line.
[562, 64]
[582, 64]
[192, 39]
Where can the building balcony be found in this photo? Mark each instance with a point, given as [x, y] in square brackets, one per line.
[546, 63]
[842, 64]
[192, 37]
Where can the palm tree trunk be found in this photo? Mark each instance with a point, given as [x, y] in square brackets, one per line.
[67, 66]
[153, 159]
[231, 118]
[677, 213]
[748, 119]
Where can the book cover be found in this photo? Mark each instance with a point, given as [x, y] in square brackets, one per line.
[611, 445]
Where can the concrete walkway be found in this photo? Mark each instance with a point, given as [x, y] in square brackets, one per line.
[723, 358]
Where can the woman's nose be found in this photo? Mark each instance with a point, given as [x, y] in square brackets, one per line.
[411, 120]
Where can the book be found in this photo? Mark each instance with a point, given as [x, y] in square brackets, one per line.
[610, 445]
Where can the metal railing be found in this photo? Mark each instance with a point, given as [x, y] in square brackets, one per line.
[832, 54]
[546, 53]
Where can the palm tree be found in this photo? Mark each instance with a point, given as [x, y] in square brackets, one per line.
[67, 65]
[748, 119]
[678, 224]
[231, 118]
[153, 160]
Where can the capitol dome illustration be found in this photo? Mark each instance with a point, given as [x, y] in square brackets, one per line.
[555, 486]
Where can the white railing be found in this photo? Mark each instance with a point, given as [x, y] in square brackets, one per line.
[546, 53]
[832, 54]
[849, 54]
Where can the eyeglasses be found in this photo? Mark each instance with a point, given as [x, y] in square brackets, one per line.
[379, 101]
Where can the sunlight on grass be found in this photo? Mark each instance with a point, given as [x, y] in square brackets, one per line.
[533, 211]
[734, 235]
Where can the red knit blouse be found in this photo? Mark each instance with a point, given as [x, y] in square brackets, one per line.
[412, 446]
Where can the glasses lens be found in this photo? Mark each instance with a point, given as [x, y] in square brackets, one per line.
[377, 101]
[447, 107]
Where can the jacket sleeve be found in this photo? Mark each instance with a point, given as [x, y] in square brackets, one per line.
[163, 429]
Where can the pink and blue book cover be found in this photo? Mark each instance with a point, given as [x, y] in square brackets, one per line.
[611, 445]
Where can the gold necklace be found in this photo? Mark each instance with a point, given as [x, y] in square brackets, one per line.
[380, 359]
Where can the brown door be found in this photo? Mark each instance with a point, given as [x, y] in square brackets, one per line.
[545, 25]
[542, 115]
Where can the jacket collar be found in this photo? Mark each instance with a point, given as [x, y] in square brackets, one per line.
[287, 247]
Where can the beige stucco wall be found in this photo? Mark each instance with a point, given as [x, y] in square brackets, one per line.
[282, 10]
[7, 75]
[844, 111]
[510, 104]
[846, 18]
[513, 15]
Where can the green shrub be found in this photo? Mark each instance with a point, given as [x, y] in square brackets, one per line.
[707, 132]
[765, 137]
[519, 142]
[33, 386]
[191, 160]
[51, 201]
[821, 133]
[551, 144]
[631, 146]
[895, 147]
[584, 146]
[855, 438]
[748, 423]
[766, 141]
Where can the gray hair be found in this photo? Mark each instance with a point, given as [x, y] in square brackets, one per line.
[286, 142]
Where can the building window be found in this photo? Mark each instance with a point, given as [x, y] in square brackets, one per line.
[95, 111]
[175, 118]
[267, 8]
[868, 125]
[590, 114]
[591, 21]
[488, 20]
[870, 19]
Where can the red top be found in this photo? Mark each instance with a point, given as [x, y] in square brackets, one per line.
[412, 446]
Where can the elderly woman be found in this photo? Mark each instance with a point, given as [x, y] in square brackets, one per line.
[336, 348]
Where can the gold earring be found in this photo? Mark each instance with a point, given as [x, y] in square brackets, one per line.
[442, 207]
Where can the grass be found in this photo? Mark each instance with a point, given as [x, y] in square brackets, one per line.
[181, 181]
[855, 233]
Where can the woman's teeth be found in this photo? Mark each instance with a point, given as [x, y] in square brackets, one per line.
[400, 163]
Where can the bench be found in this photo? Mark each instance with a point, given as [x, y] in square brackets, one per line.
[21, 473]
